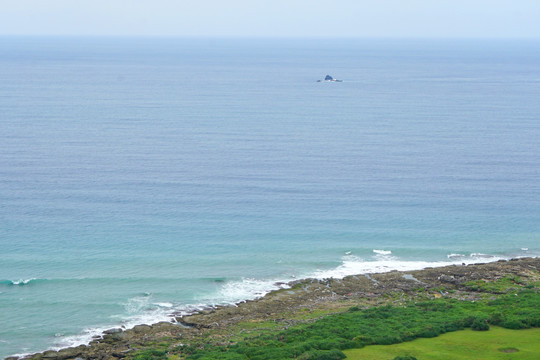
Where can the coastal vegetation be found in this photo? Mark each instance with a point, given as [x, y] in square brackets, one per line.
[396, 315]
[356, 328]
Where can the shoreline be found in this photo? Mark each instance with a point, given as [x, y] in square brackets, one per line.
[306, 296]
[383, 261]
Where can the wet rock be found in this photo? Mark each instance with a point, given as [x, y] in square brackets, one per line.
[33, 357]
[51, 354]
[164, 327]
[70, 353]
[113, 338]
[141, 329]
[113, 331]
[300, 295]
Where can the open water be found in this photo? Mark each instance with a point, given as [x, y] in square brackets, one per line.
[144, 177]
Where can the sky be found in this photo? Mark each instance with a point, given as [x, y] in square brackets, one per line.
[274, 18]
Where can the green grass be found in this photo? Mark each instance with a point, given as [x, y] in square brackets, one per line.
[384, 325]
[383, 332]
[465, 344]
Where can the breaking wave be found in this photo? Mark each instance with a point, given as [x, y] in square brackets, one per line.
[20, 282]
[144, 309]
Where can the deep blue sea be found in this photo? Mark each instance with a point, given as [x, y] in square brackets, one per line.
[143, 177]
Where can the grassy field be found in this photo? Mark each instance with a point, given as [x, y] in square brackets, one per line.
[465, 344]
[425, 327]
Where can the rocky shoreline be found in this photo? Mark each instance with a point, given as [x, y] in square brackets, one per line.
[307, 296]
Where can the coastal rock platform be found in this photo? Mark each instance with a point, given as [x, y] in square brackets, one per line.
[309, 296]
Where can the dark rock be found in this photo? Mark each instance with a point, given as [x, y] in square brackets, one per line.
[70, 353]
[122, 354]
[308, 294]
[329, 78]
[51, 354]
[112, 338]
[113, 331]
[164, 326]
[141, 329]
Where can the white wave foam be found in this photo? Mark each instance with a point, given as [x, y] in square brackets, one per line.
[143, 310]
[22, 282]
[524, 249]
[139, 310]
[21, 355]
[137, 304]
[481, 256]
[164, 304]
[382, 252]
[353, 265]
[83, 338]
[247, 289]
[234, 292]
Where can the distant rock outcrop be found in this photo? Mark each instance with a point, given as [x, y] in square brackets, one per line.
[330, 79]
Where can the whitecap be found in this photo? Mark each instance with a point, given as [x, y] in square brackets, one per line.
[22, 282]
[164, 304]
[139, 311]
[353, 265]
[455, 256]
[481, 256]
[233, 292]
[85, 337]
[144, 310]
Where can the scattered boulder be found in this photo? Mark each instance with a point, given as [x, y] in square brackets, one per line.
[141, 329]
[50, 354]
[70, 353]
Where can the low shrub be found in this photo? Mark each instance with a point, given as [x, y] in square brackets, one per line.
[326, 337]
[151, 354]
[480, 324]
[333, 354]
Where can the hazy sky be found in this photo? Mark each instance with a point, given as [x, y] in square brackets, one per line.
[296, 18]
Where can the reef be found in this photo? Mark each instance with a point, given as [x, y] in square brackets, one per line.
[312, 299]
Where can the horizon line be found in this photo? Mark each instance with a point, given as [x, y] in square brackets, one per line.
[268, 37]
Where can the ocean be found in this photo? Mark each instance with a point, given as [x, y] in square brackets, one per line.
[146, 177]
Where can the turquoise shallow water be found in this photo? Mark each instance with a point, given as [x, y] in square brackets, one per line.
[145, 177]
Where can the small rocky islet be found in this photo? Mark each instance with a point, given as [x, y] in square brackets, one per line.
[303, 296]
